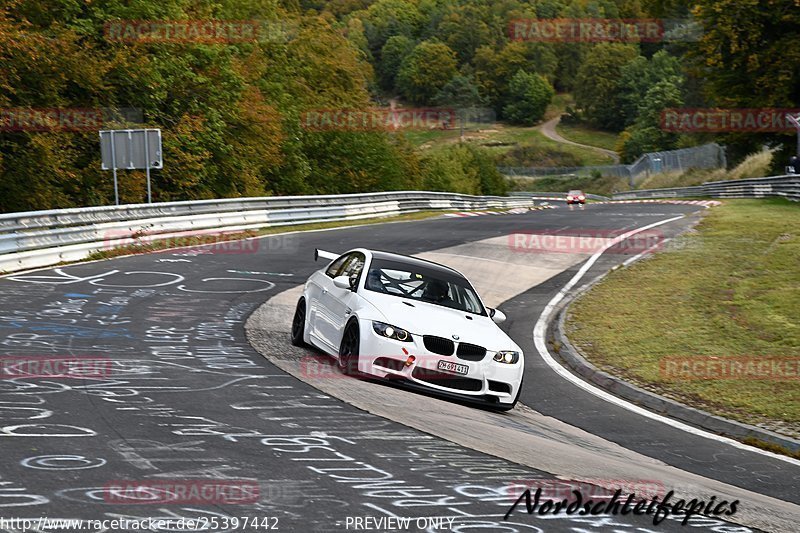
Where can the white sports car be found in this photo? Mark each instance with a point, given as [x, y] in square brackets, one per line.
[391, 316]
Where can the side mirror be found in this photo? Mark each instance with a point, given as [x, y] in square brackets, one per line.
[343, 282]
[497, 316]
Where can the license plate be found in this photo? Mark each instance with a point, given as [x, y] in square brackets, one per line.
[454, 367]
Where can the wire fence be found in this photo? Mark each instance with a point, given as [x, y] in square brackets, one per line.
[707, 156]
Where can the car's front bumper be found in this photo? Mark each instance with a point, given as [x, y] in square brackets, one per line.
[485, 379]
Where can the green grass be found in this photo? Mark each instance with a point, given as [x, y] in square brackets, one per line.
[430, 137]
[688, 178]
[501, 139]
[604, 185]
[586, 156]
[755, 165]
[498, 135]
[587, 135]
[516, 142]
[729, 288]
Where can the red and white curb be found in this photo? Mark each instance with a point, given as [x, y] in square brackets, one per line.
[515, 211]
[522, 210]
[705, 203]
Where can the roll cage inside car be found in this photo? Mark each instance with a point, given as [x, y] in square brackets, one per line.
[413, 279]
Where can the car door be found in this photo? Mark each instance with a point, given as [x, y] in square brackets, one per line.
[320, 284]
[339, 302]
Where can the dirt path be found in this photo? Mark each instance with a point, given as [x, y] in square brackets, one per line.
[548, 129]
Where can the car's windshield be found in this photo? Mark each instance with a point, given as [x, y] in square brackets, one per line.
[429, 285]
[575, 193]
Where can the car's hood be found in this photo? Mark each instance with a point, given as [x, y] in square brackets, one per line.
[430, 319]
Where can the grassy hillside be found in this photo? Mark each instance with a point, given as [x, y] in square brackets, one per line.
[733, 291]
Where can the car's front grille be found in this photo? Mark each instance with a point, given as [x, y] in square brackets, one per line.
[438, 345]
[447, 380]
[470, 352]
[392, 364]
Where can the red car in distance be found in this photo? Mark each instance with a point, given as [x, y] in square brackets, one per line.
[576, 197]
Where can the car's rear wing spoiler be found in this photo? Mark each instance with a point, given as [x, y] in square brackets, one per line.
[330, 256]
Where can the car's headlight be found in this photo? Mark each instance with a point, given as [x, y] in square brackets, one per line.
[507, 357]
[391, 332]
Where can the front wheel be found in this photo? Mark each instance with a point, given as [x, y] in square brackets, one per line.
[348, 350]
[299, 323]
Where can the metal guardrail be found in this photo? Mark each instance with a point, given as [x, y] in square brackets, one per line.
[42, 238]
[787, 186]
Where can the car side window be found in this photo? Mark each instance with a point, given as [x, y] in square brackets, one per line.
[336, 268]
[355, 266]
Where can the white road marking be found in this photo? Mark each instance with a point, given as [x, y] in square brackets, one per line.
[259, 273]
[541, 346]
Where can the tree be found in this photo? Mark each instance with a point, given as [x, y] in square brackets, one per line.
[386, 18]
[462, 168]
[528, 96]
[640, 75]
[396, 49]
[426, 71]
[494, 69]
[646, 134]
[460, 91]
[229, 112]
[464, 28]
[749, 54]
[570, 57]
[352, 162]
[597, 90]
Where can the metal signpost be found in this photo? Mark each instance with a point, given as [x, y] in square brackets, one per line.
[131, 149]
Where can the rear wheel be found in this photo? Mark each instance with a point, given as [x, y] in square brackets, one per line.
[299, 323]
[348, 350]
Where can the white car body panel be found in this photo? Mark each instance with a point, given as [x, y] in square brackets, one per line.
[330, 309]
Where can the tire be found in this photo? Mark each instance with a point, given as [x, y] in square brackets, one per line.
[510, 406]
[299, 323]
[348, 349]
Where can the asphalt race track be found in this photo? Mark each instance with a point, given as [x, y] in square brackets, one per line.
[186, 397]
